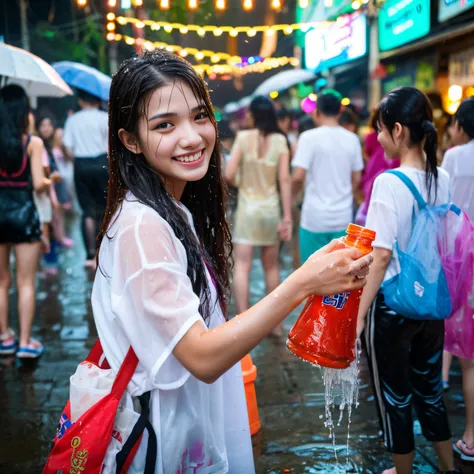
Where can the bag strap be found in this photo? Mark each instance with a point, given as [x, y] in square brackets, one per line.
[135, 436]
[125, 373]
[409, 184]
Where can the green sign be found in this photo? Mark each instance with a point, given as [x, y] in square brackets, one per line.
[402, 21]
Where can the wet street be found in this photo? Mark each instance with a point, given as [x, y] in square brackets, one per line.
[290, 392]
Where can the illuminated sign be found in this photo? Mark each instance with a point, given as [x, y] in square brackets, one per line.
[402, 21]
[449, 8]
[339, 43]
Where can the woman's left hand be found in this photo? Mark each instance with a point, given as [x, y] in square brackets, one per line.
[285, 228]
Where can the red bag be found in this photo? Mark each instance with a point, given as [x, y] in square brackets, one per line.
[80, 447]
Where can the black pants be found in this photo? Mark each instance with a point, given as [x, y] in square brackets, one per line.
[405, 358]
[91, 178]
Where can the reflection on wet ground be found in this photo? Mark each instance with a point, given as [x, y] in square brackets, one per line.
[290, 392]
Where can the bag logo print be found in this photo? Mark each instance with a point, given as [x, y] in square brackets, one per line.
[79, 458]
[419, 289]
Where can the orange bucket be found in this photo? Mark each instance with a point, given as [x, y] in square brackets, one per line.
[249, 372]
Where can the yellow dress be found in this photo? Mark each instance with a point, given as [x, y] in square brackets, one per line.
[258, 211]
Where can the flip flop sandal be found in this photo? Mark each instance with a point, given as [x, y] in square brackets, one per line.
[8, 343]
[466, 453]
[32, 351]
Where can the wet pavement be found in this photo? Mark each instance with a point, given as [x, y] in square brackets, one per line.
[290, 392]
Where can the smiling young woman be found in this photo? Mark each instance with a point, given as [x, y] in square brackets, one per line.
[164, 266]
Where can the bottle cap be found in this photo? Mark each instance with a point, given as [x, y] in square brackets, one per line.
[359, 231]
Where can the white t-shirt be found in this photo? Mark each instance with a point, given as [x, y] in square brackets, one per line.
[329, 155]
[143, 297]
[391, 206]
[459, 163]
[86, 133]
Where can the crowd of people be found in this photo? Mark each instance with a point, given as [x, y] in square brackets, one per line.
[160, 238]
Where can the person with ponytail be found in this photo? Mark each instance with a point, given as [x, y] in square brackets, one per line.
[21, 173]
[405, 354]
[164, 269]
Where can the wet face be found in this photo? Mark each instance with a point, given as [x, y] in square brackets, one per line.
[46, 128]
[390, 141]
[175, 136]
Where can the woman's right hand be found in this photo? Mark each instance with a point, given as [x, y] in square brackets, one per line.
[328, 271]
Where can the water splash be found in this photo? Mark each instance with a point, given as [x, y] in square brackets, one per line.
[342, 391]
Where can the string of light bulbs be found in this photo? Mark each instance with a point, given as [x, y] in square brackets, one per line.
[232, 31]
[199, 55]
[219, 5]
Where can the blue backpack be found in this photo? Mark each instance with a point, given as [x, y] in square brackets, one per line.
[420, 291]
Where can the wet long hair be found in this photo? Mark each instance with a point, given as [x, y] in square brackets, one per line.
[132, 86]
[412, 109]
[265, 117]
[14, 110]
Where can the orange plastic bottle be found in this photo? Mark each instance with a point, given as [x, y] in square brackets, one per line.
[325, 332]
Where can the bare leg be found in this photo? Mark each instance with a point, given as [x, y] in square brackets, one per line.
[58, 225]
[447, 361]
[242, 267]
[403, 464]
[272, 274]
[444, 450]
[5, 283]
[467, 367]
[27, 259]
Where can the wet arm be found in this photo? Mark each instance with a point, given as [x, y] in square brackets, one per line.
[285, 185]
[233, 166]
[36, 151]
[209, 354]
[297, 180]
[375, 278]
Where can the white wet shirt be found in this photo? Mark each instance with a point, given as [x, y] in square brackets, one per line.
[459, 163]
[143, 297]
[391, 208]
[329, 155]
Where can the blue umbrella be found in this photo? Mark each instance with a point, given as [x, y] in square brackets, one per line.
[85, 78]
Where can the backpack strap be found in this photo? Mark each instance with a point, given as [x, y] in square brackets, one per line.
[409, 184]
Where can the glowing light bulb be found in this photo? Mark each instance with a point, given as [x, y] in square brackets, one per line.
[199, 56]
[217, 32]
[183, 53]
[164, 4]
[215, 58]
[110, 16]
[247, 5]
[221, 5]
[233, 33]
[140, 24]
[112, 3]
[455, 93]
[193, 4]
[288, 30]
[251, 33]
[129, 40]
[201, 32]
[110, 36]
[82, 3]
[183, 30]
[137, 3]
[168, 28]
[303, 3]
[110, 26]
[276, 4]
